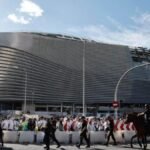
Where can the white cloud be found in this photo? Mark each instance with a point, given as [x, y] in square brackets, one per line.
[142, 19]
[26, 12]
[17, 19]
[137, 34]
[32, 9]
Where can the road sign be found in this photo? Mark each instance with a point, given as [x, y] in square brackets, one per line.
[115, 104]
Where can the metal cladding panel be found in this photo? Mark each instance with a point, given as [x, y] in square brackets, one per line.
[50, 68]
[140, 90]
[57, 50]
[104, 66]
[48, 81]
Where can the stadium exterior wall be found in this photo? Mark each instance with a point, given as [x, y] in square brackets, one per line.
[47, 69]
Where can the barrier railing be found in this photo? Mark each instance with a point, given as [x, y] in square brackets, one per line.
[65, 137]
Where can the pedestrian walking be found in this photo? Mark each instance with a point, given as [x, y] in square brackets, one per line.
[110, 131]
[1, 135]
[83, 134]
[147, 118]
[52, 131]
[46, 139]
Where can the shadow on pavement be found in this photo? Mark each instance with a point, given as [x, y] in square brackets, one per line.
[62, 148]
[92, 148]
[133, 147]
[6, 148]
[97, 149]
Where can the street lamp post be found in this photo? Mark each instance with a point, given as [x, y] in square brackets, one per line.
[83, 78]
[25, 92]
[119, 81]
[32, 97]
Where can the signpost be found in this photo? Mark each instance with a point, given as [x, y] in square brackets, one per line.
[115, 104]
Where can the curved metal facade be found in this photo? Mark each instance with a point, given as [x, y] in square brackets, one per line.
[48, 69]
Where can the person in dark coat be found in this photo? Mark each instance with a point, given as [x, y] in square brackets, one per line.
[83, 134]
[110, 132]
[1, 135]
[147, 118]
[52, 131]
[46, 139]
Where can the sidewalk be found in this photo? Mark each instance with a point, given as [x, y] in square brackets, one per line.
[68, 147]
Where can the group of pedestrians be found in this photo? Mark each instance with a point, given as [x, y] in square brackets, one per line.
[62, 123]
[23, 124]
[49, 126]
[82, 124]
[84, 132]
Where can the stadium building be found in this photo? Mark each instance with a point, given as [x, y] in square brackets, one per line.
[51, 72]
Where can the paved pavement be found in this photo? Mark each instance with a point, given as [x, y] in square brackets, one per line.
[69, 147]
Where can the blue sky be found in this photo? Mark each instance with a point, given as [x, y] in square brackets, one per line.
[124, 22]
